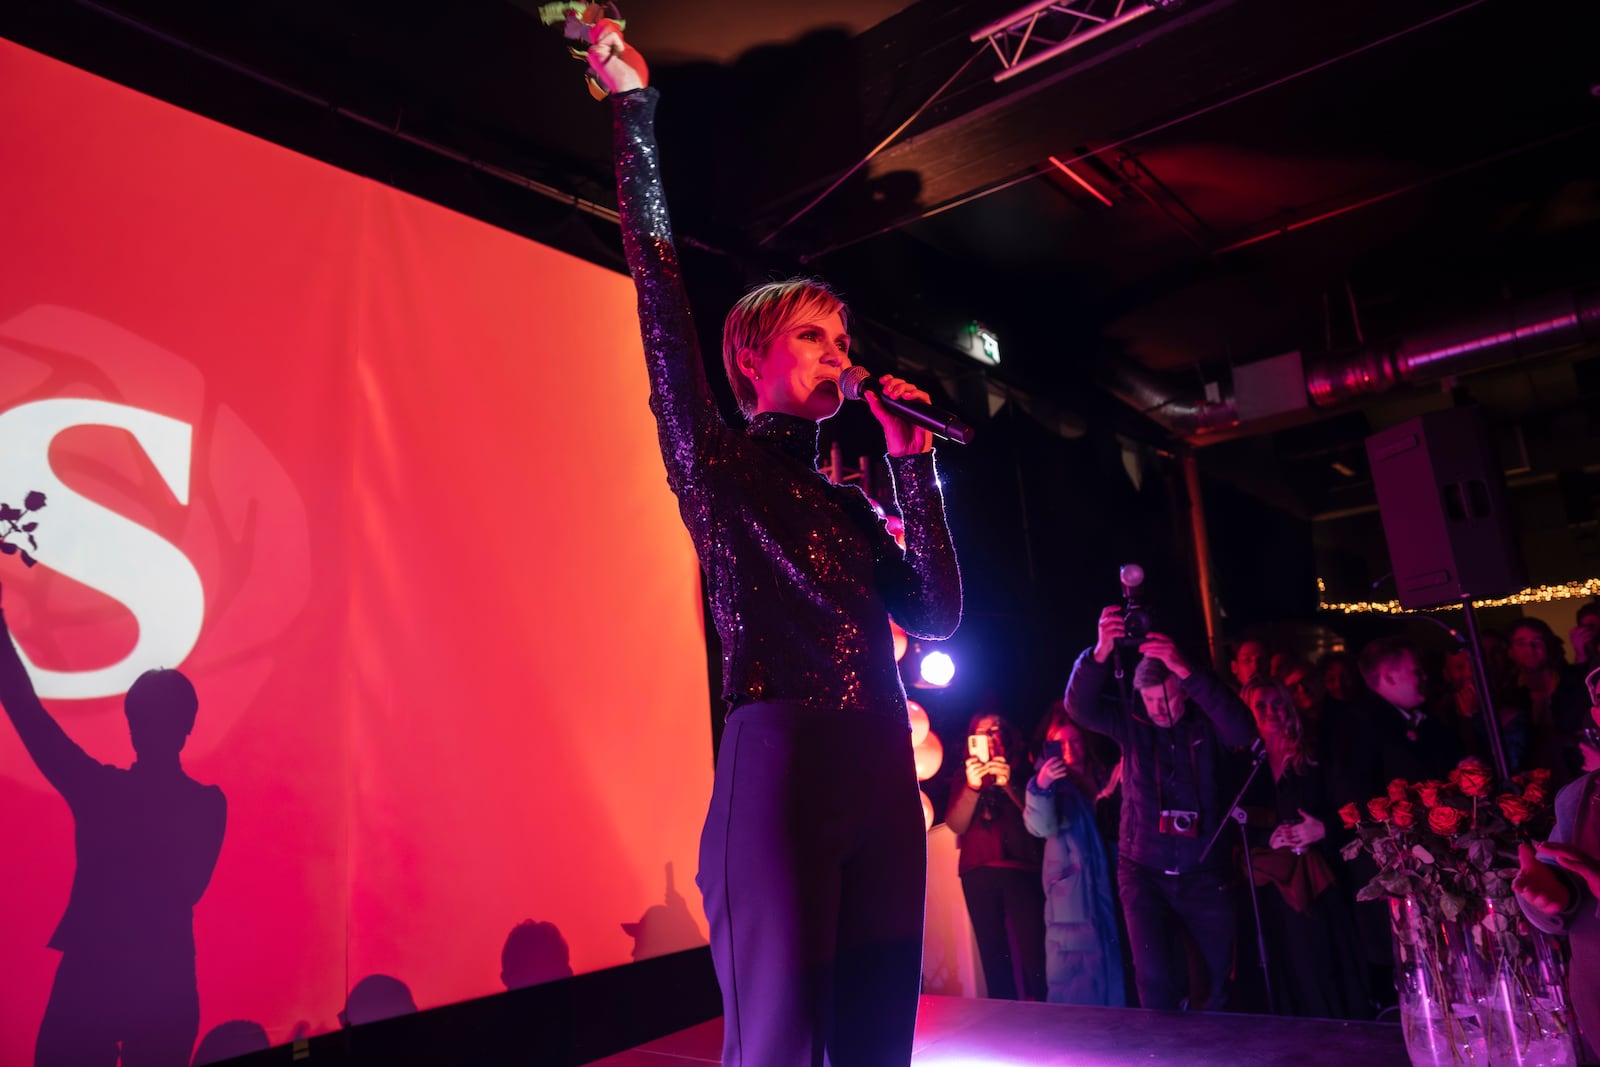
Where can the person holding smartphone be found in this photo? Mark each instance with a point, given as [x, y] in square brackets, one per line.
[999, 861]
[1083, 954]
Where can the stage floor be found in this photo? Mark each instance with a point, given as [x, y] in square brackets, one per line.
[959, 1032]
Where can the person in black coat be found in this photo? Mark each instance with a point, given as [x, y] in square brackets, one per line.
[1388, 735]
[1173, 730]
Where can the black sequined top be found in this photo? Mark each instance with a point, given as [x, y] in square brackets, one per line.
[801, 573]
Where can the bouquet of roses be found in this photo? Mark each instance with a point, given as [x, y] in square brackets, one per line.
[1451, 846]
[1474, 977]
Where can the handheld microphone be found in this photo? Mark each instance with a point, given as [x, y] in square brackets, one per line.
[856, 382]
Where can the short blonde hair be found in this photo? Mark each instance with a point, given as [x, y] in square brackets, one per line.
[762, 314]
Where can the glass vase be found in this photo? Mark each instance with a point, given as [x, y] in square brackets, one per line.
[1489, 992]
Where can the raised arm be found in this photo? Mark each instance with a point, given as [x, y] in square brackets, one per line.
[680, 396]
[1087, 702]
[1039, 815]
[56, 755]
[1232, 720]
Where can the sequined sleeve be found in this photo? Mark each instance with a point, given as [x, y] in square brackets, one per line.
[680, 398]
[922, 590]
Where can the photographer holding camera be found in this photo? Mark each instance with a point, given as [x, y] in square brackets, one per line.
[1173, 731]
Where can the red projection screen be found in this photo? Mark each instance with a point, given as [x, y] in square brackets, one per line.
[382, 481]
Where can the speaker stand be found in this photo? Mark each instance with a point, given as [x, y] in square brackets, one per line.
[1485, 697]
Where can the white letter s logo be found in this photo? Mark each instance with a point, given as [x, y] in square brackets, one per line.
[103, 550]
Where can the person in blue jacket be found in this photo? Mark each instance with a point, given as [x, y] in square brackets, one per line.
[1083, 956]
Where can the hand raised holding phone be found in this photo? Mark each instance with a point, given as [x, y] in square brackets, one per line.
[985, 762]
[976, 769]
[1051, 771]
[999, 770]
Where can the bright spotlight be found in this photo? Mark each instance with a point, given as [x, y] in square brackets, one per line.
[937, 669]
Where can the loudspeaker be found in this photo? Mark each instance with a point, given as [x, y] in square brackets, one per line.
[1443, 501]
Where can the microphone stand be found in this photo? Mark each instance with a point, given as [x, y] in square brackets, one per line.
[1236, 814]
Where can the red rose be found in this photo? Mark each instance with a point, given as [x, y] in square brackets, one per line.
[1403, 814]
[1398, 789]
[1539, 775]
[1514, 808]
[1429, 792]
[1534, 793]
[1476, 779]
[1454, 777]
[1446, 820]
[1351, 816]
[1378, 808]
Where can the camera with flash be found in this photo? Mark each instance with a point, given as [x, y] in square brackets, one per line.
[1135, 619]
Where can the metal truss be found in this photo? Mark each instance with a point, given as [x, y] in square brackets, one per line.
[1046, 29]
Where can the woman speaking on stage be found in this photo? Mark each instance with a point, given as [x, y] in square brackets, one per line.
[813, 856]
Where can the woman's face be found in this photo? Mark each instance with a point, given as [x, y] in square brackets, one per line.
[798, 371]
[1071, 740]
[1270, 710]
[1528, 650]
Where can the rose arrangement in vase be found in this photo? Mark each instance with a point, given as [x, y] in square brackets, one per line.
[1477, 983]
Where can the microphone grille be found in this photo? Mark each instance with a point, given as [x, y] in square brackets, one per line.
[852, 381]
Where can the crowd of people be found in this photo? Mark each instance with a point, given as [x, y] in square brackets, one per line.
[1138, 775]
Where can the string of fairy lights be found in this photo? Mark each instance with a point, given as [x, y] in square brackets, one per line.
[1587, 588]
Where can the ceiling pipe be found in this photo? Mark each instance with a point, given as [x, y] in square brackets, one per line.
[1519, 331]
[1516, 332]
[1152, 394]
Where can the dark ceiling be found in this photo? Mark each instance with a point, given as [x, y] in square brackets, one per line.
[1248, 178]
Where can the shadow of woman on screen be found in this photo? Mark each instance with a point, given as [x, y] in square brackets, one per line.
[147, 840]
[665, 928]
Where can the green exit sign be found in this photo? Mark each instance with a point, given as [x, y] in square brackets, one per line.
[982, 344]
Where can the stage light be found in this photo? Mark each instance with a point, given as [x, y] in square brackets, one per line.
[901, 641]
[937, 669]
[927, 811]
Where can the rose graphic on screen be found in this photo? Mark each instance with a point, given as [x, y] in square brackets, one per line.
[16, 527]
